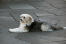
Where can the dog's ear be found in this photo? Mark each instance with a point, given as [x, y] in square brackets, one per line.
[31, 19]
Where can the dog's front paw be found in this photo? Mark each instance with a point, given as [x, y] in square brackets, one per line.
[17, 30]
[14, 30]
[11, 30]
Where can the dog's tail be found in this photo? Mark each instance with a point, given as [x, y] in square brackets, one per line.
[64, 28]
[58, 27]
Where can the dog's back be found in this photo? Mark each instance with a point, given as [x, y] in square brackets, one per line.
[35, 27]
[42, 26]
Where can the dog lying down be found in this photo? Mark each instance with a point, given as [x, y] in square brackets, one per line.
[28, 24]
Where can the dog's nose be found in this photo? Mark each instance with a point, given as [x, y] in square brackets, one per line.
[21, 19]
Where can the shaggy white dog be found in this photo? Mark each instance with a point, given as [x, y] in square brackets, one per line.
[28, 24]
[25, 19]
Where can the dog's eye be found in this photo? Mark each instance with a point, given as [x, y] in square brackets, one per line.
[24, 17]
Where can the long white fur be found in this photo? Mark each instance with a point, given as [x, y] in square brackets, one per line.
[45, 28]
[27, 15]
[21, 27]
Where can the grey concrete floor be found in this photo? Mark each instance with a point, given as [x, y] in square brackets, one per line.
[51, 11]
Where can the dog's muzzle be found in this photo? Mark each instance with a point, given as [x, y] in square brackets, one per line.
[20, 19]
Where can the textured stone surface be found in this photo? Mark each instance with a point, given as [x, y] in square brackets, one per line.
[4, 13]
[43, 13]
[49, 19]
[48, 7]
[57, 3]
[21, 6]
[4, 6]
[17, 13]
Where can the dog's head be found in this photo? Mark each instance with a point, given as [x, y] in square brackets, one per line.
[26, 19]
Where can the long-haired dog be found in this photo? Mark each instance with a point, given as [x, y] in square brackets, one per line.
[28, 24]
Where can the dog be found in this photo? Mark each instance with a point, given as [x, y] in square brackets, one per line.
[28, 24]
